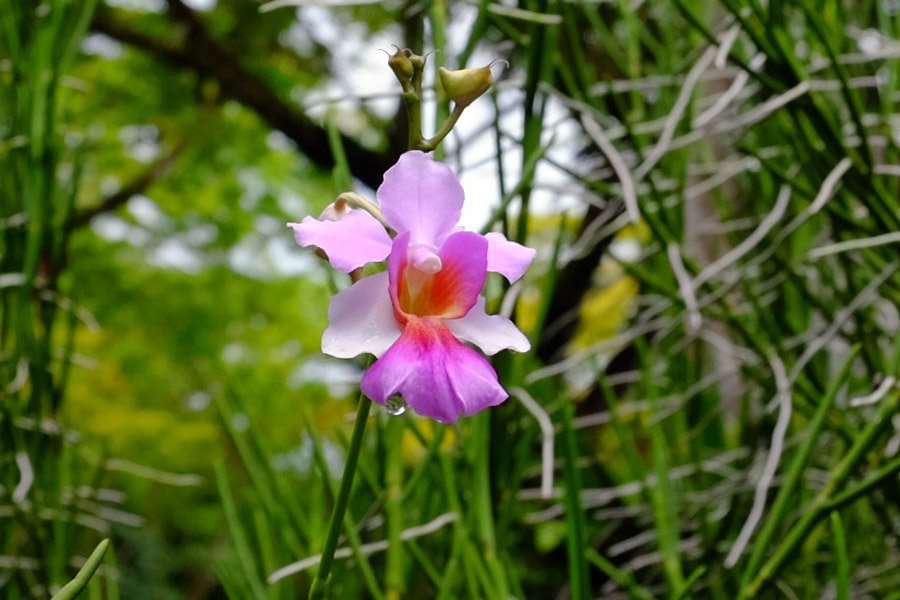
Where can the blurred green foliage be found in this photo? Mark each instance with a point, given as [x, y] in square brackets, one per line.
[160, 374]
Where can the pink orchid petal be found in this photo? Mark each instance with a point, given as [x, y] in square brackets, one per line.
[422, 196]
[450, 292]
[434, 373]
[507, 258]
[361, 319]
[464, 260]
[352, 242]
[491, 333]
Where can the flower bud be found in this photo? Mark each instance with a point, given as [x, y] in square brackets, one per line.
[335, 211]
[465, 85]
[401, 65]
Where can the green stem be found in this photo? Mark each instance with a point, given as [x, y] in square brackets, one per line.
[484, 505]
[71, 590]
[320, 583]
[412, 97]
[842, 561]
[576, 525]
[414, 115]
[393, 495]
[438, 17]
[824, 503]
[781, 506]
[431, 143]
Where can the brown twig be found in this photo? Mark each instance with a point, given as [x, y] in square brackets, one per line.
[156, 171]
[199, 52]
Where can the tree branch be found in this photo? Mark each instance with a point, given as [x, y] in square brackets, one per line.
[200, 53]
[138, 185]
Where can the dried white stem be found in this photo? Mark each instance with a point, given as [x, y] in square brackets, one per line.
[26, 480]
[694, 319]
[829, 184]
[721, 176]
[879, 393]
[858, 244]
[610, 344]
[864, 296]
[766, 225]
[547, 434]
[764, 110]
[593, 129]
[783, 395]
[893, 170]
[365, 549]
[733, 91]
[174, 479]
[675, 115]
[726, 42]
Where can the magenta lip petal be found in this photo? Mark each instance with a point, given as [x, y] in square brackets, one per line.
[421, 196]
[435, 374]
[354, 241]
[510, 259]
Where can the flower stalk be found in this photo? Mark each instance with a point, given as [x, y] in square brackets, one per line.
[320, 583]
[354, 200]
[393, 434]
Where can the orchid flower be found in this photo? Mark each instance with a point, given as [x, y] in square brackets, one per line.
[415, 316]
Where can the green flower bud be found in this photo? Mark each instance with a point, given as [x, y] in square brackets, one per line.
[465, 85]
[401, 65]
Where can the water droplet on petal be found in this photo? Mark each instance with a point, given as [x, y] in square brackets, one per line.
[395, 405]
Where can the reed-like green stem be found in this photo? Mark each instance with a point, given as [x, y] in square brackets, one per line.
[576, 523]
[432, 142]
[320, 583]
[796, 469]
[393, 434]
[842, 562]
[484, 505]
[822, 505]
[71, 590]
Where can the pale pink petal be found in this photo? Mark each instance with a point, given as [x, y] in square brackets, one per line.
[434, 373]
[361, 319]
[450, 292]
[507, 258]
[422, 196]
[354, 241]
[491, 333]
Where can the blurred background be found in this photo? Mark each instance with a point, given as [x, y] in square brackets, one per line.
[710, 401]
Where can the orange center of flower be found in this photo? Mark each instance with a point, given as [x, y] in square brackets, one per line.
[431, 294]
